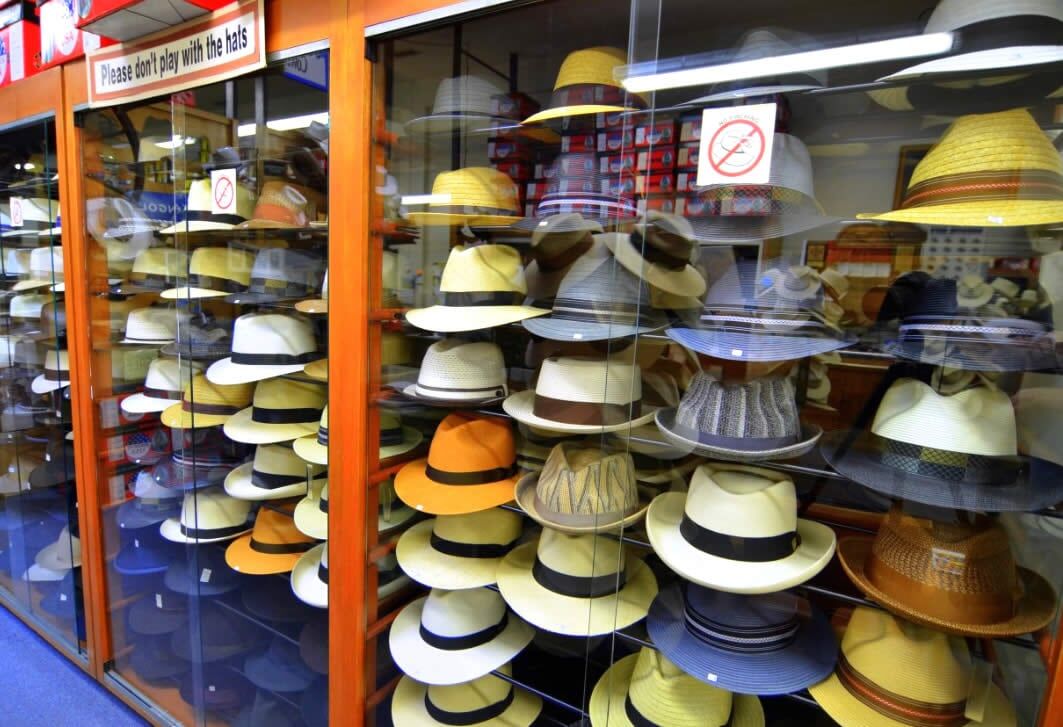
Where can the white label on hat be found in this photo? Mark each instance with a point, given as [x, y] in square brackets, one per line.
[204, 576]
[948, 561]
[737, 352]
[711, 677]
[62, 596]
[223, 191]
[211, 688]
[136, 543]
[16, 212]
[735, 146]
[158, 600]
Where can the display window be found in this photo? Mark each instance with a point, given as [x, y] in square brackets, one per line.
[714, 377]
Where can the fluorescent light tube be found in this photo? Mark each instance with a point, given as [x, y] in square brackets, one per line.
[289, 124]
[913, 46]
[425, 198]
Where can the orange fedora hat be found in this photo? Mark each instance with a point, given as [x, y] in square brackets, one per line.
[471, 466]
[273, 546]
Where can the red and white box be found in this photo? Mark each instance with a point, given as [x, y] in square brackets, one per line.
[504, 150]
[617, 163]
[686, 182]
[611, 120]
[577, 143]
[687, 156]
[659, 203]
[659, 134]
[616, 141]
[516, 170]
[20, 51]
[692, 206]
[651, 184]
[658, 159]
[620, 186]
[61, 40]
[690, 128]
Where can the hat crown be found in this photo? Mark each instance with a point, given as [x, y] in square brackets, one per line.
[275, 333]
[28, 305]
[465, 94]
[956, 14]
[281, 393]
[467, 443]
[589, 380]
[483, 269]
[170, 374]
[278, 459]
[212, 508]
[55, 360]
[475, 187]
[741, 500]
[582, 556]
[590, 66]
[764, 408]
[660, 690]
[16, 261]
[461, 613]
[154, 323]
[978, 421]
[584, 480]
[222, 262]
[471, 696]
[487, 527]
[275, 527]
[791, 166]
[167, 261]
[453, 364]
[201, 390]
[743, 612]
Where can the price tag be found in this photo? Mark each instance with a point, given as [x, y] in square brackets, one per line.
[158, 601]
[223, 191]
[16, 212]
[204, 576]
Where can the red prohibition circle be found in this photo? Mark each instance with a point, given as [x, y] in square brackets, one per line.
[717, 164]
[223, 195]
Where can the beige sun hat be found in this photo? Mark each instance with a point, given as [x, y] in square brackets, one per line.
[309, 577]
[208, 516]
[457, 373]
[214, 272]
[153, 325]
[198, 216]
[56, 372]
[274, 474]
[909, 673]
[266, 345]
[648, 689]
[207, 405]
[579, 585]
[282, 410]
[482, 287]
[489, 701]
[586, 84]
[659, 250]
[163, 385]
[473, 196]
[737, 530]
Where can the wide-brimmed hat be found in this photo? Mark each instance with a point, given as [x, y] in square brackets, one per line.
[152, 503]
[598, 300]
[204, 404]
[56, 559]
[282, 410]
[153, 326]
[774, 643]
[458, 551]
[583, 489]
[471, 466]
[310, 577]
[767, 43]
[579, 585]
[482, 287]
[318, 305]
[488, 701]
[571, 396]
[737, 530]
[266, 345]
[958, 577]
[154, 270]
[891, 673]
[958, 452]
[45, 269]
[38, 213]
[786, 205]
[208, 516]
[198, 216]
[56, 372]
[14, 263]
[576, 187]
[222, 633]
[145, 552]
[25, 312]
[281, 205]
[214, 272]
[456, 373]
[586, 84]
[473, 196]
[1005, 152]
[204, 574]
[647, 689]
[746, 421]
[275, 473]
[659, 250]
[279, 669]
[273, 546]
[280, 275]
[163, 385]
[450, 637]
[466, 103]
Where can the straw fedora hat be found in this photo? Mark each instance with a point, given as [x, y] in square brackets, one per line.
[45, 269]
[280, 206]
[737, 530]
[571, 396]
[911, 674]
[471, 466]
[153, 325]
[274, 545]
[274, 474]
[266, 345]
[767, 644]
[456, 373]
[746, 421]
[204, 338]
[1005, 151]
[959, 577]
[489, 701]
[309, 577]
[154, 270]
[56, 373]
[282, 410]
[25, 312]
[659, 250]
[163, 385]
[311, 512]
[198, 216]
[455, 552]
[450, 637]
[578, 585]
[316, 306]
[647, 689]
[482, 287]
[280, 275]
[473, 196]
[208, 516]
[583, 489]
[214, 272]
[586, 85]
[62, 554]
[395, 439]
[206, 405]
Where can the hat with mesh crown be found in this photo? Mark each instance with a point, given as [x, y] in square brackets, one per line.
[586, 85]
[473, 195]
[457, 373]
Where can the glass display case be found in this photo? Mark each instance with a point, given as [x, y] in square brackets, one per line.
[713, 371]
[40, 550]
[207, 235]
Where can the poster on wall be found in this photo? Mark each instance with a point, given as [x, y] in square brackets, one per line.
[227, 43]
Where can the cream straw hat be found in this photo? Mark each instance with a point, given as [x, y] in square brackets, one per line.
[163, 385]
[489, 701]
[266, 345]
[275, 473]
[282, 410]
[458, 551]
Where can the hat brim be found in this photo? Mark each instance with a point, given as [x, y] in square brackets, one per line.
[598, 224]
[559, 112]
[144, 404]
[525, 497]
[49, 557]
[266, 673]
[239, 485]
[242, 558]
[39, 574]
[408, 707]
[129, 517]
[753, 92]
[146, 620]
[993, 59]
[176, 417]
[187, 293]
[196, 226]
[839, 703]
[240, 427]
[444, 219]
[171, 530]
[226, 372]
[262, 224]
[317, 370]
[414, 487]
[678, 471]
[456, 319]
[311, 450]
[734, 576]
[736, 228]
[520, 406]
[609, 698]
[434, 569]
[560, 329]
[410, 392]
[810, 434]
[742, 346]
[41, 385]
[687, 281]
[806, 660]
[574, 616]
[464, 122]
[979, 355]
[429, 665]
[1004, 213]
[313, 306]
[31, 284]
[1034, 609]
[649, 441]
[1036, 486]
[310, 589]
[140, 561]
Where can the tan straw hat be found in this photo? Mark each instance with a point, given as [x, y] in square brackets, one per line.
[207, 405]
[474, 196]
[892, 673]
[214, 272]
[275, 473]
[586, 85]
[283, 409]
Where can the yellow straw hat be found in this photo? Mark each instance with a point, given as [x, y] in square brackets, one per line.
[206, 405]
[987, 170]
[473, 195]
[585, 85]
[912, 675]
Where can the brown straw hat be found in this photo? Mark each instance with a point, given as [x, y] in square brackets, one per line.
[957, 577]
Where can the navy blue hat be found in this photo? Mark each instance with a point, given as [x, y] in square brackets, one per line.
[158, 612]
[279, 668]
[144, 552]
[315, 704]
[143, 512]
[202, 572]
[775, 643]
[15, 514]
[222, 689]
[154, 660]
[63, 596]
[222, 634]
[271, 598]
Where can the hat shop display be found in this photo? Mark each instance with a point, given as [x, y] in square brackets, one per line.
[56, 372]
[39, 214]
[45, 269]
[282, 410]
[660, 250]
[266, 345]
[457, 373]
[154, 326]
[151, 504]
[56, 559]
[486, 700]
[281, 274]
[280, 205]
[163, 385]
[468, 103]
[154, 270]
[767, 43]
[456, 552]
[205, 404]
[274, 545]
[586, 84]
[204, 338]
[470, 196]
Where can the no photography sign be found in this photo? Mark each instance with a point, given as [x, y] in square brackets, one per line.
[736, 145]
